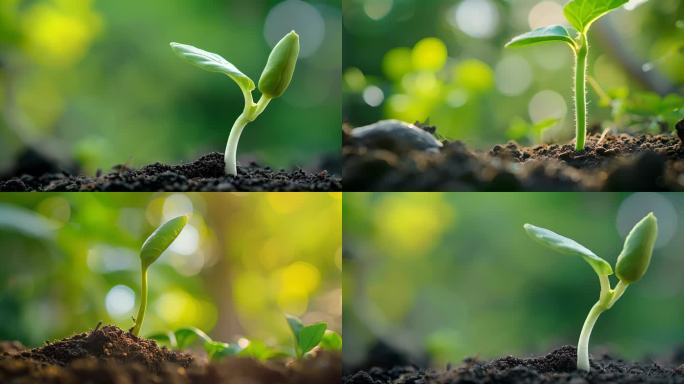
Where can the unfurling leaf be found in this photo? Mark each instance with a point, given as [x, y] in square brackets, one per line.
[160, 239]
[542, 35]
[213, 63]
[582, 13]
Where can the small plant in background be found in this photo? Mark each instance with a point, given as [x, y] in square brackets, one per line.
[307, 337]
[631, 265]
[581, 14]
[274, 81]
[151, 249]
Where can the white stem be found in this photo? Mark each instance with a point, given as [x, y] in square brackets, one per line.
[249, 114]
[583, 344]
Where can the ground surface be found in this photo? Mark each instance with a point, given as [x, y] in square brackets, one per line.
[614, 162]
[559, 366]
[204, 174]
[109, 355]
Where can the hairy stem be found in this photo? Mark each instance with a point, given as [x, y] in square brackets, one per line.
[581, 94]
[249, 114]
[143, 303]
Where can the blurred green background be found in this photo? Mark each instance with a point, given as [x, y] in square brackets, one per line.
[444, 61]
[455, 275]
[242, 262]
[95, 81]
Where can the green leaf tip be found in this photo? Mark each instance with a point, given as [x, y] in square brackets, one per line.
[212, 62]
[582, 13]
[542, 35]
[307, 337]
[637, 250]
[160, 239]
[280, 66]
[568, 246]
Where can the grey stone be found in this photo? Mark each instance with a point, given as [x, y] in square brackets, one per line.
[396, 136]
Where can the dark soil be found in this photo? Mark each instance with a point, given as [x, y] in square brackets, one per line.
[559, 366]
[204, 174]
[110, 355]
[619, 162]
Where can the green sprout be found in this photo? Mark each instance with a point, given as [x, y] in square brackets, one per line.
[306, 339]
[581, 14]
[151, 249]
[631, 265]
[274, 81]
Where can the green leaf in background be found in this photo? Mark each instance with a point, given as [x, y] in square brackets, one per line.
[186, 336]
[582, 13]
[213, 63]
[636, 253]
[295, 325]
[161, 239]
[168, 338]
[259, 350]
[216, 349]
[568, 246]
[309, 337]
[331, 341]
[542, 35]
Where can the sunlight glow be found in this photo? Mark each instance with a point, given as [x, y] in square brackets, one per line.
[477, 18]
[119, 300]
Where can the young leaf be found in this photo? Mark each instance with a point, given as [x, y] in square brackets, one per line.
[168, 338]
[309, 337]
[213, 63]
[160, 239]
[331, 341]
[295, 325]
[568, 246]
[542, 35]
[260, 351]
[636, 253]
[186, 336]
[216, 349]
[582, 13]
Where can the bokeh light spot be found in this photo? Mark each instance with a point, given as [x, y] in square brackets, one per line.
[476, 18]
[377, 9]
[176, 205]
[429, 54]
[187, 241]
[119, 300]
[354, 79]
[546, 13]
[299, 16]
[547, 104]
[638, 205]
[474, 75]
[396, 63]
[513, 75]
[373, 96]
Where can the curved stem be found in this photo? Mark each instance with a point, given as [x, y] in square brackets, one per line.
[249, 114]
[583, 344]
[581, 94]
[143, 303]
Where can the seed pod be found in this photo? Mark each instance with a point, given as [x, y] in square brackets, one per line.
[280, 66]
[636, 253]
[160, 239]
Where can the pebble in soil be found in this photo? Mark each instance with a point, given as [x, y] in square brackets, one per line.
[611, 162]
[109, 355]
[205, 174]
[559, 366]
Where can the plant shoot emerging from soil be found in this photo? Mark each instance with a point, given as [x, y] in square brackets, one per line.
[274, 81]
[581, 14]
[631, 265]
[151, 249]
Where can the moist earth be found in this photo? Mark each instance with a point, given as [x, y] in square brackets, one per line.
[110, 355]
[204, 174]
[388, 161]
[559, 366]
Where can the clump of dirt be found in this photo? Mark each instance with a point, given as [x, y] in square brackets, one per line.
[608, 163]
[110, 355]
[559, 366]
[204, 174]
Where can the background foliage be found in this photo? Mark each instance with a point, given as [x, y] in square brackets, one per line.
[444, 61]
[455, 275]
[71, 260]
[96, 81]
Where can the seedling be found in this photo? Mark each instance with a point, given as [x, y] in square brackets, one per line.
[581, 14]
[306, 339]
[631, 265]
[151, 249]
[274, 81]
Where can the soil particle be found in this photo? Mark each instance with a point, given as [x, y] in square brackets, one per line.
[204, 174]
[608, 163]
[110, 355]
[559, 366]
